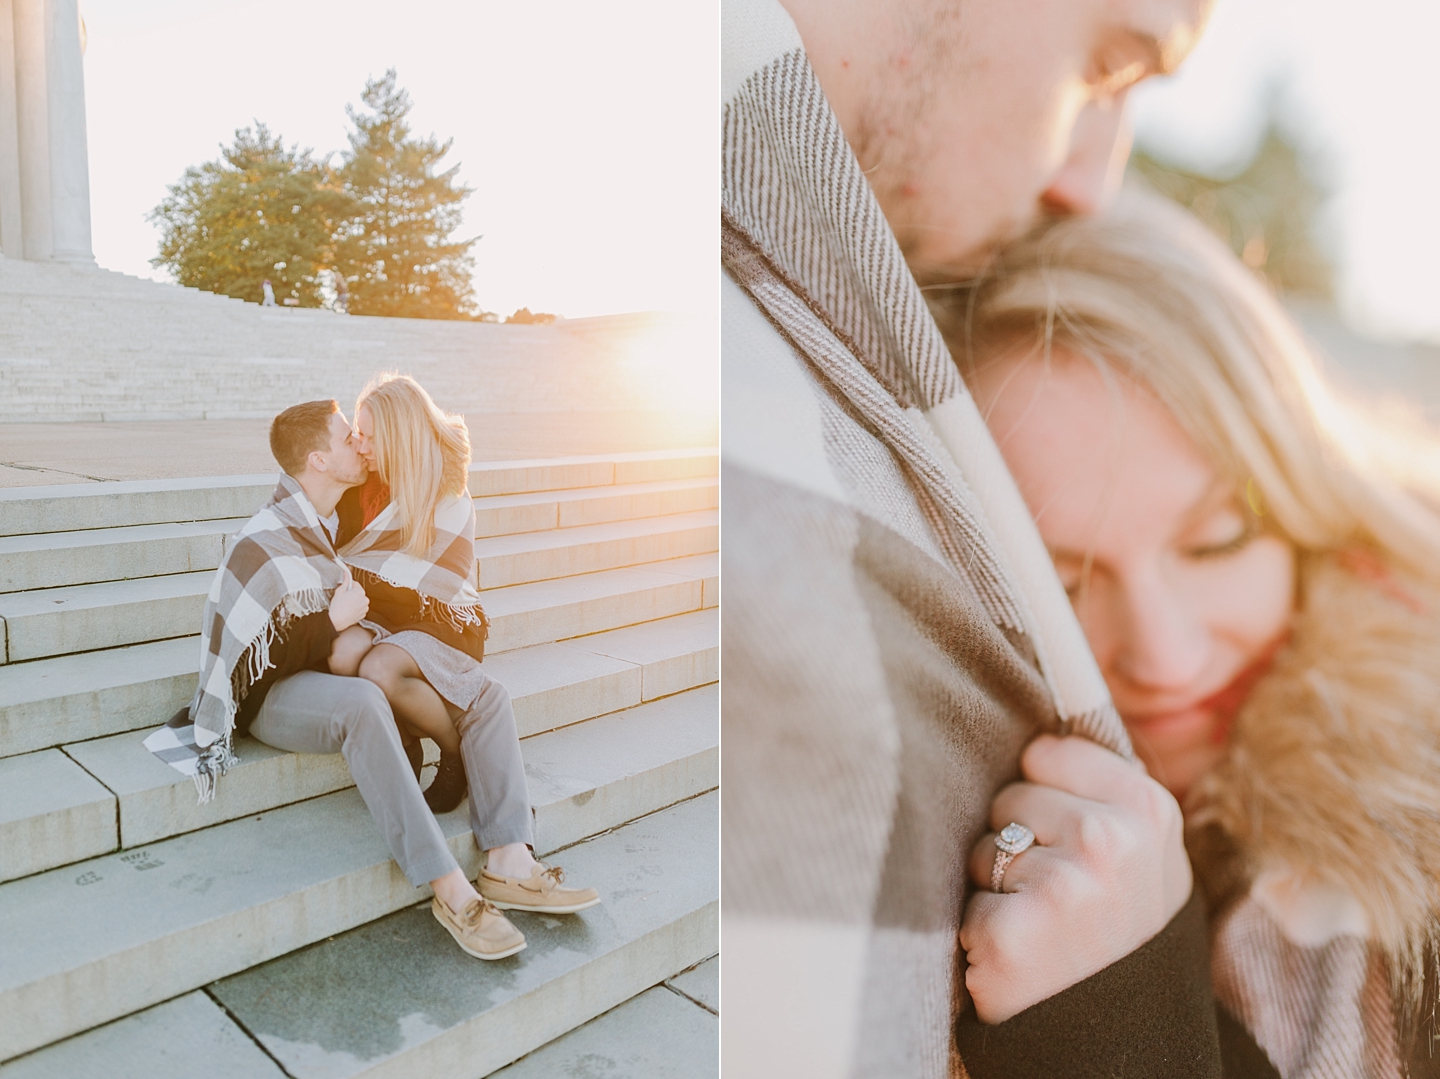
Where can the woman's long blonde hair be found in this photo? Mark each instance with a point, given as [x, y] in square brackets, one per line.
[1147, 290]
[421, 453]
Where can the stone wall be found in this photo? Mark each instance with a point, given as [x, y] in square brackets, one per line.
[82, 344]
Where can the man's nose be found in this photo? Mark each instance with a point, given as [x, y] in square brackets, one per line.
[1095, 167]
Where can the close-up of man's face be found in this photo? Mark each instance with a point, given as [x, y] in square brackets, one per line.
[342, 459]
[971, 119]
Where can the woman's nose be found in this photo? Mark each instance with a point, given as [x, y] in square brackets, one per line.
[1165, 645]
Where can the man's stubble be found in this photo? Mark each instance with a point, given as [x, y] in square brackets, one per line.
[893, 136]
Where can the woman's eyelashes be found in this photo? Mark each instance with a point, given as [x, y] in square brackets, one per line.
[1225, 533]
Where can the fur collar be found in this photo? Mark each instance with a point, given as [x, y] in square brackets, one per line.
[1333, 772]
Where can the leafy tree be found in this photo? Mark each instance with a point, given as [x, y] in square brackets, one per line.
[526, 317]
[395, 250]
[1266, 212]
[260, 211]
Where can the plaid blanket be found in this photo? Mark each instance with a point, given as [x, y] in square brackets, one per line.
[894, 630]
[280, 566]
[443, 576]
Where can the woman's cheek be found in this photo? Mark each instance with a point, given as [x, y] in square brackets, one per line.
[1250, 596]
[1098, 610]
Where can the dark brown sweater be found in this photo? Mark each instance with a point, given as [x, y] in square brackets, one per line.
[1151, 1015]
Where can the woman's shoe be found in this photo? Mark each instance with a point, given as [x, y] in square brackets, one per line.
[448, 787]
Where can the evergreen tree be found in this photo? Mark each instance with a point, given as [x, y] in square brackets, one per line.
[395, 251]
[260, 211]
[1267, 212]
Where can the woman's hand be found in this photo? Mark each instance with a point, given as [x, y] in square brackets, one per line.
[1107, 872]
[349, 604]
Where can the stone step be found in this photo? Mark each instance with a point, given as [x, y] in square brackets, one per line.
[83, 618]
[543, 611]
[111, 793]
[658, 877]
[52, 812]
[55, 811]
[71, 698]
[534, 511]
[163, 1042]
[61, 559]
[49, 702]
[86, 617]
[564, 552]
[628, 1041]
[114, 504]
[100, 939]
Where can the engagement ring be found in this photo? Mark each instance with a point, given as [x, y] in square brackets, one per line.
[1013, 839]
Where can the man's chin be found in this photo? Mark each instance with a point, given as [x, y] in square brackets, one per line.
[935, 268]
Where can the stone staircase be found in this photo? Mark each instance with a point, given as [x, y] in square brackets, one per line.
[82, 344]
[270, 926]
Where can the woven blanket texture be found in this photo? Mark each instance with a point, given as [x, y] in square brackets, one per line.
[894, 630]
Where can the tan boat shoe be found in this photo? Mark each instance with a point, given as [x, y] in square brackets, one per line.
[480, 929]
[542, 893]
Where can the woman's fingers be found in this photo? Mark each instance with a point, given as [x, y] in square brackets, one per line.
[1081, 767]
[1046, 811]
[1022, 871]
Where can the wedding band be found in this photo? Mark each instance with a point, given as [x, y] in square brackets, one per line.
[1014, 839]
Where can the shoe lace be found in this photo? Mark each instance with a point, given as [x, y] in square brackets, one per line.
[476, 909]
[555, 873]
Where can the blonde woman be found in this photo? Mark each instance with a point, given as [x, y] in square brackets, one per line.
[408, 536]
[1256, 566]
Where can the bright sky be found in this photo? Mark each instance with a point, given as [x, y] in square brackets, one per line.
[588, 131]
[1361, 83]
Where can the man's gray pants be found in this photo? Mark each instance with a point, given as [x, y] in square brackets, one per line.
[313, 712]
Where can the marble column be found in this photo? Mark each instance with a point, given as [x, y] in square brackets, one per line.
[12, 238]
[42, 87]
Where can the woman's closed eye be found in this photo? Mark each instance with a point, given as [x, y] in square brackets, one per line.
[1223, 534]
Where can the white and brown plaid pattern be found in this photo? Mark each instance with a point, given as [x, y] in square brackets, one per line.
[280, 566]
[443, 577]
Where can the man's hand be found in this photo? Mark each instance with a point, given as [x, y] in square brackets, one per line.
[349, 604]
[1107, 872]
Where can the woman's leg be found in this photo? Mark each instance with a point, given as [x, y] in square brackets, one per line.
[348, 649]
[412, 698]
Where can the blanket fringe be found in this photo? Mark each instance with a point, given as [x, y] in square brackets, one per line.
[210, 766]
[255, 660]
[459, 616]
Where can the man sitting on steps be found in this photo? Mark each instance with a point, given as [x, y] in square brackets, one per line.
[278, 602]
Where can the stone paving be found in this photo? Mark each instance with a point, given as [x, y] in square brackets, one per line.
[36, 454]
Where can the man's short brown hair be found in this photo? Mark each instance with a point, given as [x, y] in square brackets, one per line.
[299, 431]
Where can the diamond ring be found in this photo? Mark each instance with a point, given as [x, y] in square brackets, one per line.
[1013, 839]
